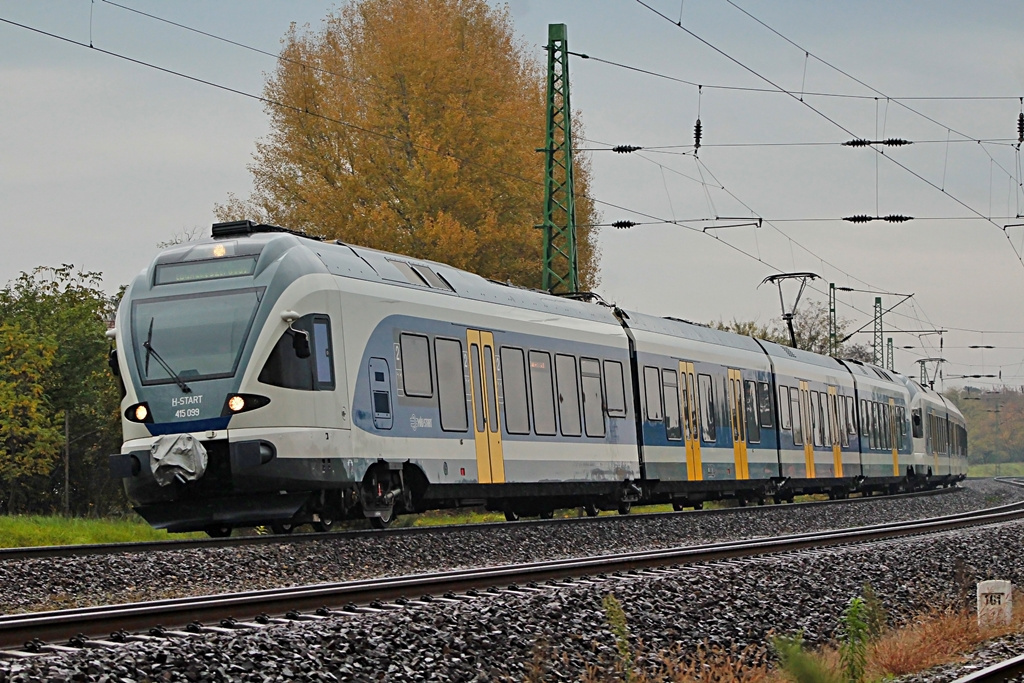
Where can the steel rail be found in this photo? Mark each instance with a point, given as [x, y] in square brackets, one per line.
[1005, 670]
[56, 551]
[98, 621]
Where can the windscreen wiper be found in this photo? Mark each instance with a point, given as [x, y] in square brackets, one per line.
[167, 368]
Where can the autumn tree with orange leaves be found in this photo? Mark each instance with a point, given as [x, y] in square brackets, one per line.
[413, 126]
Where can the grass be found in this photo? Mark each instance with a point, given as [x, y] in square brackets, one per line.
[23, 531]
[931, 639]
[1000, 469]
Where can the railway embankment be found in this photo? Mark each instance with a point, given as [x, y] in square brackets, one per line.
[57, 583]
[560, 630]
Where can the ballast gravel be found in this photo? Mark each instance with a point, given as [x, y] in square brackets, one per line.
[553, 634]
[60, 583]
[557, 632]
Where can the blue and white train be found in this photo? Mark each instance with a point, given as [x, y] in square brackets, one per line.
[273, 379]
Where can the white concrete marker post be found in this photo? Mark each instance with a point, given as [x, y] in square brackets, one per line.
[995, 603]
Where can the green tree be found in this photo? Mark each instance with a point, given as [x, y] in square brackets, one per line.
[995, 423]
[413, 126]
[810, 326]
[30, 433]
[65, 312]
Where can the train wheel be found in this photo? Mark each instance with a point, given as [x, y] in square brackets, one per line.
[218, 531]
[591, 510]
[547, 514]
[324, 525]
[281, 528]
[511, 516]
[678, 507]
[384, 521]
[624, 508]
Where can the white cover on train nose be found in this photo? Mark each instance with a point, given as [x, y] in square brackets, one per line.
[177, 457]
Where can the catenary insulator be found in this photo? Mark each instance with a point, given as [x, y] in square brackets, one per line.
[623, 224]
[859, 142]
[860, 218]
[896, 218]
[625, 149]
[696, 136]
[1020, 128]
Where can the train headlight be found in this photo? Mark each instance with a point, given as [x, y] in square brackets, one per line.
[139, 413]
[243, 403]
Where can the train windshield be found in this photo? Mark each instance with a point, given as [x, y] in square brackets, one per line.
[192, 337]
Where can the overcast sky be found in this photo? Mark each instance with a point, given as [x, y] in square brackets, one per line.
[102, 158]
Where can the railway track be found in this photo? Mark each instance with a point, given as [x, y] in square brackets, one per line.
[1007, 670]
[42, 552]
[189, 617]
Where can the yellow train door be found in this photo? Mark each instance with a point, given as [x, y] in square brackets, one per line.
[688, 396]
[805, 408]
[490, 461]
[739, 435]
[833, 416]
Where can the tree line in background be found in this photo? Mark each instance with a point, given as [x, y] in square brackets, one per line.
[58, 398]
[995, 423]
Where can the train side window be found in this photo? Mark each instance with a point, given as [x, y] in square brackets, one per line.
[874, 426]
[451, 384]
[751, 409]
[901, 424]
[851, 416]
[673, 416]
[652, 393]
[828, 407]
[915, 419]
[593, 409]
[322, 352]
[416, 379]
[784, 409]
[798, 424]
[708, 428]
[513, 388]
[825, 423]
[568, 395]
[284, 368]
[490, 386]
[477, 384]
[541, 391]
[815, 439]
[614, 394]
[865, 418]
[886, 427]
[764, 404]
[843, 425]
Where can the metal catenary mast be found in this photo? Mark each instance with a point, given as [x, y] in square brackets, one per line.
[560, 272]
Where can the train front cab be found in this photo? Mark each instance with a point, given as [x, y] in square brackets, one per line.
[252, 300]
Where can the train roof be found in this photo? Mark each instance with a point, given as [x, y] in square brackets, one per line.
[684, 329]
[779, 351]
[363, 263]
